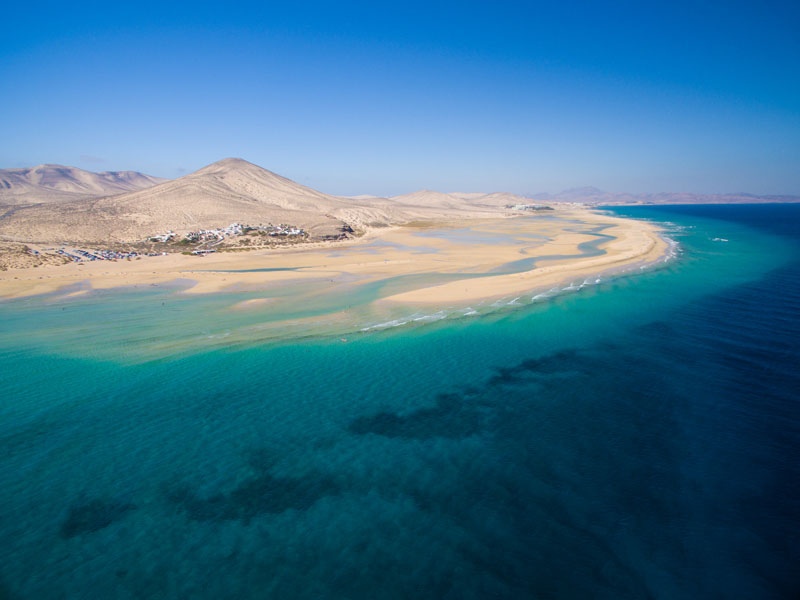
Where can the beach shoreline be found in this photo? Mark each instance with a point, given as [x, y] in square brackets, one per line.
[472, 247]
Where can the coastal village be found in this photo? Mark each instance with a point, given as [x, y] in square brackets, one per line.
[232, 230]
[529, 207]
[204, 241]
[236, 229]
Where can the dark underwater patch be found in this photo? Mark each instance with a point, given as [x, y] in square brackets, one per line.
[5, 593]
[458, 415]
[559, 362]
[451, 417]
[265, 494]
[93, 515]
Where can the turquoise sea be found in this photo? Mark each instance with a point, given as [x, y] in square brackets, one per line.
[635, 437]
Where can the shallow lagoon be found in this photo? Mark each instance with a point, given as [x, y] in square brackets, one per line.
[158, 319]
[634, 438]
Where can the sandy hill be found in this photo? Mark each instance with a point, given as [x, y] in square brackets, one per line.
[428, 199]
[458, 201]
[231, 190]
[228, 191]
[53, 183]
[496, 199]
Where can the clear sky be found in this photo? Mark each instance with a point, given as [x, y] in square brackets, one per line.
[387, 98]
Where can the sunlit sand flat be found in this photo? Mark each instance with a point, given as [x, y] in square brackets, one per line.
[462, 261]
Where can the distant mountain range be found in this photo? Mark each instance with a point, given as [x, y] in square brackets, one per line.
[594, 196]
[49, 183]
[53, 203]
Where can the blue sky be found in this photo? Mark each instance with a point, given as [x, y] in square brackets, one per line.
[389, 98]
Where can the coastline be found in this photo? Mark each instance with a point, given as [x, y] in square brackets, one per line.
[633, 246]
[474, 248]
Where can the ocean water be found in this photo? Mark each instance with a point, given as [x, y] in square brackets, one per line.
[634, 438]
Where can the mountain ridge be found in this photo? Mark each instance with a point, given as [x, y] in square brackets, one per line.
[230, 190]
[593, 196]
[53, 203]
[227, 191]
[53, 182]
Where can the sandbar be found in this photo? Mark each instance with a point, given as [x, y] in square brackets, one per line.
[444, 262]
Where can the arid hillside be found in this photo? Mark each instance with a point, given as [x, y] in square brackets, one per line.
[229, 191]
[57, 183]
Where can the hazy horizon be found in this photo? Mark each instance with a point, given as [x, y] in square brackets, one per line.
[532, 194]
[360, 99]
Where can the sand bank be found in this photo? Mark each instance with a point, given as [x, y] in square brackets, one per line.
[631, 245]
[445, 249]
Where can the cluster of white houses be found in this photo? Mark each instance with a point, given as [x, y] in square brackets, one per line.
[528, 207]
[163, 237]
[210, 235]
[217, 235]
[283, 230]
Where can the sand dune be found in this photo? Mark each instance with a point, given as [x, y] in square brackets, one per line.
[428, 199]
[458, 200]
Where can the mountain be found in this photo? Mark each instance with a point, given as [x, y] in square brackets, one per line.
[228, 191]
[593, 196]
[54, 183]
[231, 190]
